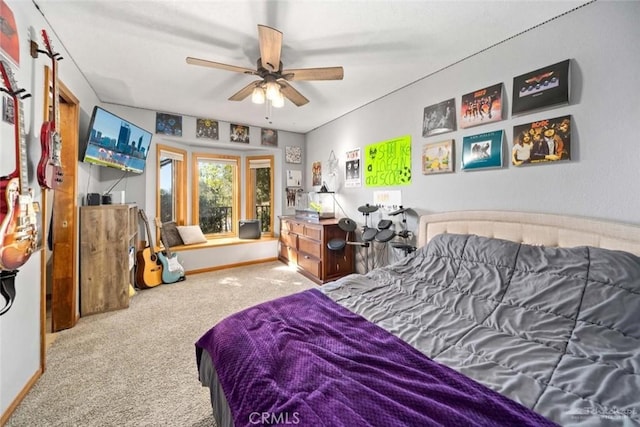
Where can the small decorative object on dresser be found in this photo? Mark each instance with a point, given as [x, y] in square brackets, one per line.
[304, 245]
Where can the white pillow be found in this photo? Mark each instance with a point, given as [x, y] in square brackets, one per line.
[191, 234]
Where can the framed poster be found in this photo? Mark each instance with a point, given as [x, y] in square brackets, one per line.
[8, 110]
[388, 162]
[439, 118]
[239, 133]
[542, 141]
[542, 88]
[9, 42]
[294, 178]
[168, 124]
[293, 154]
[482, 151]
[206, 128]
[481, 106]
[437, 157]
[316, 173]
[352, 169]
[269, 137]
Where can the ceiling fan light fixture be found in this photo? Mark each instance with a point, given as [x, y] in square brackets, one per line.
[273, 90]
[257, 96]
[278, 101]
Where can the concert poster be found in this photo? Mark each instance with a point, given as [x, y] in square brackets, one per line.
[481, 106]
[543, 88]
[542, 141]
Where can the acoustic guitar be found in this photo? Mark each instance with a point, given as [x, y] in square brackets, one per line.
[172, 270]
[50, 166]
[18, 211]
[149, 268]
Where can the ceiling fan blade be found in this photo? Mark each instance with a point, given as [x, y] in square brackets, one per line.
[245, 91]
[270, 47]
[326, 73]
[211, 64]
[291, 94]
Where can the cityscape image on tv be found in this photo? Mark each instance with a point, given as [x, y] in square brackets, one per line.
[117, 143]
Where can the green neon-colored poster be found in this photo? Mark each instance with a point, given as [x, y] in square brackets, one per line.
[388, 163]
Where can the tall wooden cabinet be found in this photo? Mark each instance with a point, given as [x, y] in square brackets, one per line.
[107, 235]
[304, 244]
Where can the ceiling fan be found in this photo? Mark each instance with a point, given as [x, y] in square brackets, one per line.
[273, 84]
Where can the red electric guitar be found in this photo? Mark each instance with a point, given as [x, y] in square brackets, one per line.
[18, 212]
[50, 166]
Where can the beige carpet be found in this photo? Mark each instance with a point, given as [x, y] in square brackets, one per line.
[137, 367]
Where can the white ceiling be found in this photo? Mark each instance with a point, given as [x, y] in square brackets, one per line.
[133, 52]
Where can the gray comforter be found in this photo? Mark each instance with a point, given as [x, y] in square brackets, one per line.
[555, 329]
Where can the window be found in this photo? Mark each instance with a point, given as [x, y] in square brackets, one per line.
[171, 181]
[259, 187]
[216, 201]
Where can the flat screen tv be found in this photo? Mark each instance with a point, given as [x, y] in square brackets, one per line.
[115, 142]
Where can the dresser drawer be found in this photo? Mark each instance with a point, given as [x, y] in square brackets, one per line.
[310, 264]
[296, 227]
[288, 253]
[311, 247]
[313, 232]
[289, 239]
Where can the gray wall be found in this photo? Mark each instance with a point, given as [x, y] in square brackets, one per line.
[601, 180]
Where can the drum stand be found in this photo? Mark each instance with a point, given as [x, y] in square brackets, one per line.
[404, 233]
[368, 233]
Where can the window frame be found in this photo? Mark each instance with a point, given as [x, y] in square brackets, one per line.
[249, 209]
[195, 193]
[180, 184]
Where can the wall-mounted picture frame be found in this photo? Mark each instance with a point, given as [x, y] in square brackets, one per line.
[269, 137]
[438, 157]
[542, 141]
[352, 170]
[439, 118]
[482, 151]
[293, 154]
[481, 106]
[239, 133]
[10, 42]
[206, 128]
[168, 124]
[316, 173]
[542, 88]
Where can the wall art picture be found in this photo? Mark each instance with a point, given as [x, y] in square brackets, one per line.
[542, 88]
[168, 124]
[9, 42]
[206, 128]
[293, 154]
[294, 178]
[269, 137]
[353, 176]
[316, 173]
[437, 157]
[388, 162]
[542, 141]
[239, 133]
[439, 118]
[482, 151]
[481, 106]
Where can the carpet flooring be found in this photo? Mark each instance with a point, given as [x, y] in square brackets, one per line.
[137, 366]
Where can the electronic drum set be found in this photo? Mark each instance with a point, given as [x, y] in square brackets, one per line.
[382, 233]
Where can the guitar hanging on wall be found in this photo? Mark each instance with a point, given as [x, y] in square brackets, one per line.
[50, 165]
[18, 211]
[148, 268]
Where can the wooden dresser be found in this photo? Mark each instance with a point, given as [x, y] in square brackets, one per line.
[304, 244]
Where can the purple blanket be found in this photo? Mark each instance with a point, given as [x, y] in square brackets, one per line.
[304, 359]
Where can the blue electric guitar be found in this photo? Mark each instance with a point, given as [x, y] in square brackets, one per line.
[172, 270]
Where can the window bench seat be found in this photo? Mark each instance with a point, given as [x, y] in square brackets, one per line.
[216, 254]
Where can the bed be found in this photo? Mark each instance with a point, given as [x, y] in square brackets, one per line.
[499, 318]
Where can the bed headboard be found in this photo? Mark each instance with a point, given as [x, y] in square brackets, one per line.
[533, 228]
